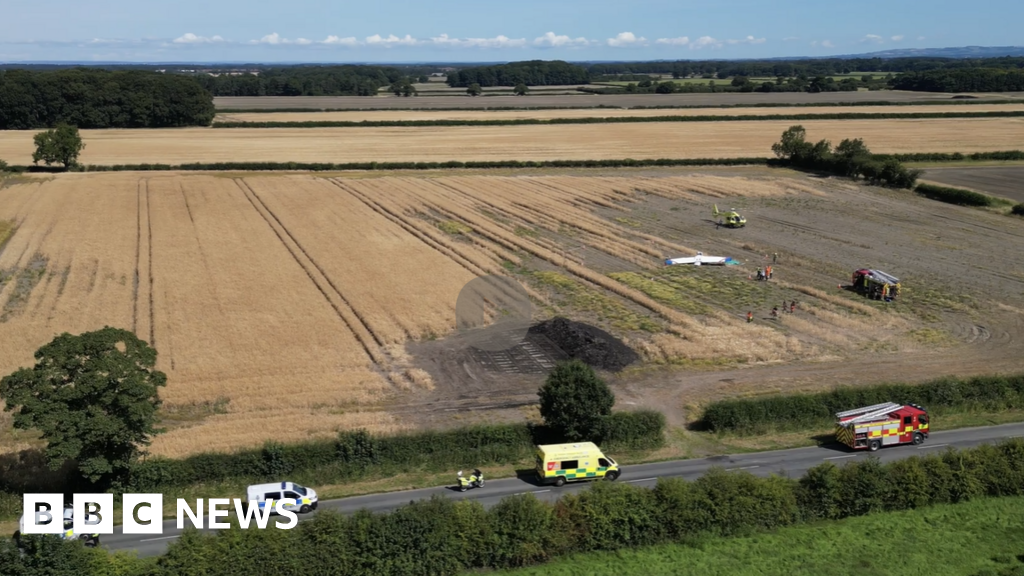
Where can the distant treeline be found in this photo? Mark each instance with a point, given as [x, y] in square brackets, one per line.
[794, 68]
[962, 80]
[304, 81]
[92, 98]
[617, 119]
[806, 72]
[531, 73]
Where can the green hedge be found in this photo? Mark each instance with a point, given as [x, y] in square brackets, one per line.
[955, 156]
[957, 196]
[335, 167]
[489, 164]
[358, 454]
[808, 411]
[615, 120]
[1018, 209]
[443, 536]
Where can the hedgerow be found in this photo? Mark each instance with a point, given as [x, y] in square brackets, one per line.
[957, 196]
[614, 120]
[808, 411]
[488, 164]
[358, 454]
[453, 164]
[443, 536]
[1018, 209]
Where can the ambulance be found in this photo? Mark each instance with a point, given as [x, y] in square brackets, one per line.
[561, 463]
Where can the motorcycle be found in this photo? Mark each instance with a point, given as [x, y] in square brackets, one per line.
[475, 480]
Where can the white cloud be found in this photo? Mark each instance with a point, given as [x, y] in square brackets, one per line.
[827, 44]
[626, 39]
[337, 41]
[872, 38]
[273, 38]
[391, 40]
[190, 38]
[747, 40]
[705, 42]
[551, 40]
[920, 38]
[790, 38]
[496, 42]
[680, 41]
[897, 38]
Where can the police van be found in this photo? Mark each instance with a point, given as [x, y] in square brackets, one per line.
[305, 498]
[90, 540]
[561, 463]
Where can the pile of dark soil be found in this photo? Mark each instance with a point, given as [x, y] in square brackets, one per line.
[587, 343]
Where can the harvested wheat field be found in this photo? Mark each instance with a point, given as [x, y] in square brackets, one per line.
[566, 142]
[407, 115]
[292, 306]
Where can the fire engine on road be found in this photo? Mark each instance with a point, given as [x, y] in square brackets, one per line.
[872, 427]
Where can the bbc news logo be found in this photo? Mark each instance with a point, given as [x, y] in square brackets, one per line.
[144, 513]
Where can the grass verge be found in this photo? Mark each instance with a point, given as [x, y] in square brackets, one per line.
[984, 537]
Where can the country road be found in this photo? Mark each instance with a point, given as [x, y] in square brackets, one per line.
[792, 463]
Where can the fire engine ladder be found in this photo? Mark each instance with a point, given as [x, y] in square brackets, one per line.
[868, 412]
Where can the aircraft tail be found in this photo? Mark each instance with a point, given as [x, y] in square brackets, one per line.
[715, 213]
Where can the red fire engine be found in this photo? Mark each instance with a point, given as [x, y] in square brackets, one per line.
[872, 427]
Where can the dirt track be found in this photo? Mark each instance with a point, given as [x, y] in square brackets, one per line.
[578, 101]
[1005, 181]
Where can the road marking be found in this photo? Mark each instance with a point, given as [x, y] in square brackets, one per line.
[932, 446]
[743, 468]
[640, 480]
[841, 457]
[532, 492]
[163, 538]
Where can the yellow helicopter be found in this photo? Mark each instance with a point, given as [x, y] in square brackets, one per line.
[730, 219]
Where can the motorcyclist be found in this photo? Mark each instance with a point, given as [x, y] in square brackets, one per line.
[475, 480]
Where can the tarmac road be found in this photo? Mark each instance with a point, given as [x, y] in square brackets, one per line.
[792, 463]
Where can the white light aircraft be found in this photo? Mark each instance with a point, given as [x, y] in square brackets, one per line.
[700, 260]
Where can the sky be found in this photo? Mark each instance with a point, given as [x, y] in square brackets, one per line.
[490, 31]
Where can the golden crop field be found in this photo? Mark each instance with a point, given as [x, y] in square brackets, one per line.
[584, 142]
[406, 115]
[281, 305]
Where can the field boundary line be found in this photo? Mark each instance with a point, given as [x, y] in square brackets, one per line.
[355, 323]
[138, 250]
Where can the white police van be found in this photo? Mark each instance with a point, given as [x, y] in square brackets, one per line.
[90, 540]
[305, 498]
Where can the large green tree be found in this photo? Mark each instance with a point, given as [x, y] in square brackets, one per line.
[92, 396]
[60, 145]
[574, 401]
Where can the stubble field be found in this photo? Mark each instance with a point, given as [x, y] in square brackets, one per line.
[562, 142]
[287, 307]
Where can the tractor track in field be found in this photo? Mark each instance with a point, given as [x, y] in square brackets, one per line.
[356, 324]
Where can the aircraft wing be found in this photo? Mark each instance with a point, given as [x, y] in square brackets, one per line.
[699, 260]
